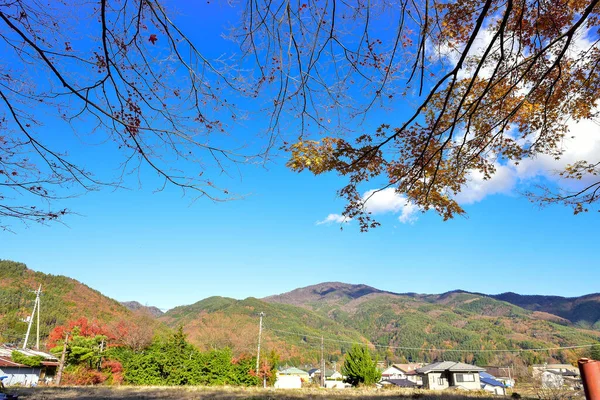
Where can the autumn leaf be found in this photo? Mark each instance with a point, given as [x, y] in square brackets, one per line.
[153, 38]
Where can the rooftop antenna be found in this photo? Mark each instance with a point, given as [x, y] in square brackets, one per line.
[36, 307]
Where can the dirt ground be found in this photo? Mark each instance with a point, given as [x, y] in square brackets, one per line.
[232, 393]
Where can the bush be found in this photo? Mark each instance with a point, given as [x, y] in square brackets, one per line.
[81, 376]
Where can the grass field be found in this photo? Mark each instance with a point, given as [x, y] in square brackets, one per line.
[235, 393]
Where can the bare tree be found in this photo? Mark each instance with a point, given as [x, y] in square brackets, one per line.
[483, 83]
[120, 74]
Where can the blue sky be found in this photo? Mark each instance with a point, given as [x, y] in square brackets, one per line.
[165, 250]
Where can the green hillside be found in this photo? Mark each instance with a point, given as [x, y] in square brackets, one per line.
[455, 320]
[62, 299]
[398, 326]
[218, 322]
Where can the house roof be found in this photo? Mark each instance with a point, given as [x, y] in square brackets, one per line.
[7, 362]
[407, 367]
[566, 373]
[293, 371]
[6, 352]
[449, 366]
[488, 379]
[400, 382]
[498, 371]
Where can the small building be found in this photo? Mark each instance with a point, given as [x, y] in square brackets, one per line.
[330, 375]
[506, 375]
[538, 369]
[449, 374]
[23, 375]
[399, 371]
[489, 383]
[293, 371]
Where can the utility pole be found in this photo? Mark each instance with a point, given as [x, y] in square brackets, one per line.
[322, 363]
[35, 307]
[62, 360]
[102, 351]
[262, 314]
[39, 304]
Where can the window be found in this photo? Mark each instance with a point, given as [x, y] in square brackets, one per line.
[465, 378]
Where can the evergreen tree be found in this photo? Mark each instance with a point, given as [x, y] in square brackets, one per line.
[359, 367]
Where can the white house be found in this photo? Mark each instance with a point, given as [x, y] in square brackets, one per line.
[446, 374]
[489, 383]
[23, 375]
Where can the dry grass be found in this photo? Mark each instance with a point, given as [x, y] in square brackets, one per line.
[235, 393]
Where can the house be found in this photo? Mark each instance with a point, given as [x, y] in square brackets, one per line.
[557, 375]
[330, 375]
[23, 375]
[506, 375]
[414, 377]
[491, 384]
[450, 374]
[399, 371]
[293, 371]
[538, 369]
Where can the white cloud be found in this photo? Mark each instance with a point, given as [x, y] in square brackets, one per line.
[582, 143]
[477, 188]
[388, 200]
[334, 218]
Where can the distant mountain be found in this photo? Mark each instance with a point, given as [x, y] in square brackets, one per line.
[583, 311]
[452, 320]
[62, 299]
[399, 326]
[138, 307]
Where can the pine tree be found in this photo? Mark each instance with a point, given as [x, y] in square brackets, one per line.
[359, 367]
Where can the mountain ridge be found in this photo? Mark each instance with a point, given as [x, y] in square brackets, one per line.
[399, 326]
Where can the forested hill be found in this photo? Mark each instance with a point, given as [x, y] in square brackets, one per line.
[453, 320]
[583, 311]
[399, 326]
[62, 299]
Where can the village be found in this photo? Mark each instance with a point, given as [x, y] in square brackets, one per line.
[437, 376]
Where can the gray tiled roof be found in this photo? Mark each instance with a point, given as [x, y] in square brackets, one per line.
[449, 366]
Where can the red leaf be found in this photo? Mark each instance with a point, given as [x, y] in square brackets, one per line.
[153, 38]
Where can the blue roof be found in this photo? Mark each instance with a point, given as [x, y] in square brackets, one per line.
[488, 379]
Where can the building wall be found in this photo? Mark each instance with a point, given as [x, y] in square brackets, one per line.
[467, 383]
[436, 381]
[288, 382]
[499, 390]
[20, 376]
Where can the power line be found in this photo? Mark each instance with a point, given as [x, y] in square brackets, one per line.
[440, 350]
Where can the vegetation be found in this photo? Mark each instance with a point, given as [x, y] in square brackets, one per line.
[359, 368]
[595, 353]
[108, 341]
[176, 362]
[32, 361]
[61, 302]
[238, 393]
